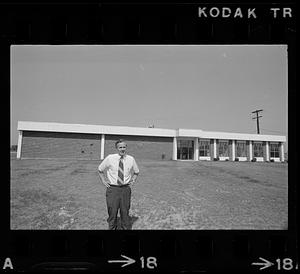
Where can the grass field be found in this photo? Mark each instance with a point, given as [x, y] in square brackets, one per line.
[67, 194]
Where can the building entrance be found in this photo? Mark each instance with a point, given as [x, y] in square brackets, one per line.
[185, 150]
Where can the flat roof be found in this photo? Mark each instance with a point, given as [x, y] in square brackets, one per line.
[229, 135]
[141, 131]
[95, 129]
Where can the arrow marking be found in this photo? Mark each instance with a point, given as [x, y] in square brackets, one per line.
[128, 261]
[265, 264]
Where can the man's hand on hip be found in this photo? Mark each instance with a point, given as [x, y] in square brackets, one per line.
[103, 179]
[106, 184]
[131, 182]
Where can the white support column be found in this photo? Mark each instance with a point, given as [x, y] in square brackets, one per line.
[281, 152]
[102, 147]
[233, 150]
[19, 148]
[196, 150]
[267, 152]
[215, 148]
[250, 151]
[174, 148]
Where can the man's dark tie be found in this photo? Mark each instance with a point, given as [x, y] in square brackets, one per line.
[121, 172]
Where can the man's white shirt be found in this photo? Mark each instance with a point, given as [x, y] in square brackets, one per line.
[111, 163]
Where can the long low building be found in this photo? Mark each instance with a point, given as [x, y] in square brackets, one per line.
[39, 140]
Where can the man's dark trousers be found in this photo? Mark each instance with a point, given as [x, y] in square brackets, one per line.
[118, 197]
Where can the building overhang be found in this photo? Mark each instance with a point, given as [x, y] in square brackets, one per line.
[95, 129]
[140, 131]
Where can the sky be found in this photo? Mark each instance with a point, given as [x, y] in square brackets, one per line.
[208, 87]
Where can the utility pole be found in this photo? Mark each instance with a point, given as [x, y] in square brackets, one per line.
[257, 118]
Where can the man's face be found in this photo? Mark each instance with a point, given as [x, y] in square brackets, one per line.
[121, 147]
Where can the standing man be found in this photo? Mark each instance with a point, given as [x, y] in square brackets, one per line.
[122, 172]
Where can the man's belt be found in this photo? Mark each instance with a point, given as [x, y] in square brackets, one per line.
[119, 185]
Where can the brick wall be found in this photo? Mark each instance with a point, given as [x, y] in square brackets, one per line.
[142, 147]
[60, 145]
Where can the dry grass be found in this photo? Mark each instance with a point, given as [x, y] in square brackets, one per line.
[67, 194]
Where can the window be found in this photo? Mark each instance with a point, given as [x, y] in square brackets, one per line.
[204, 148]
[223, 149]
[185, 149]
[258, 149]
[241, 149]
[274, 150]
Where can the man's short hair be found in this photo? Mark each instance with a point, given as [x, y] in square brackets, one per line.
[120, 141]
